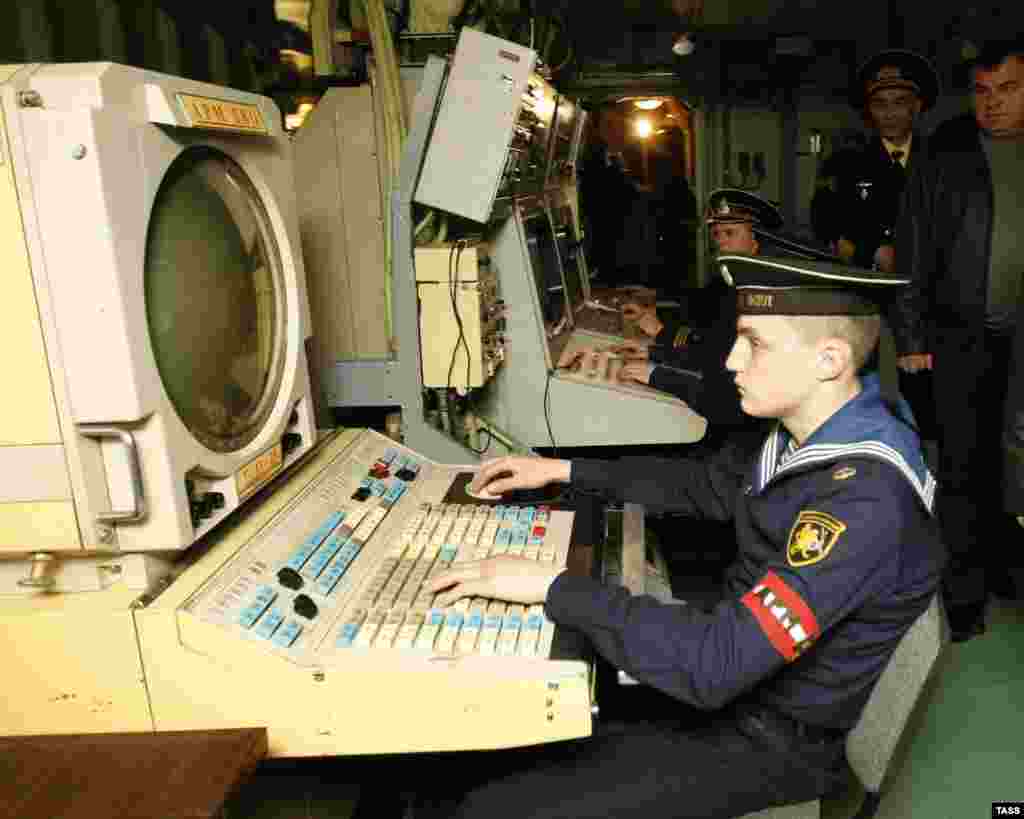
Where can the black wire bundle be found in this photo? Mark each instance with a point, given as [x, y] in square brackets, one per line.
[454, 257]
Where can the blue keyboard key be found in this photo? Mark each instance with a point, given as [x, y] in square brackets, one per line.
[348, 635]
[251, 613]
[448, 553]
[268, 625]
[526, 514]
[330, 548]
[503, 537]
[247, 617]
[329, 581]
[475, 620]
[511, 513]
[536, 541]
[534, 622]
[454, 619]
[287, 634]
[378, 488]
[310, 544]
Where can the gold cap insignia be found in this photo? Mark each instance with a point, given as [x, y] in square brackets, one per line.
[812, 538]
[844, 473]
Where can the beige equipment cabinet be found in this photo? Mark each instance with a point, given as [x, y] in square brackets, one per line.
[372, 704]
[120, 419]
[476, 299]
[345, 184]
[124, 660]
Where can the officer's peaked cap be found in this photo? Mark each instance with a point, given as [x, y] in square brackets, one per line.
[730, 205]
[773, 285]
[896, 68]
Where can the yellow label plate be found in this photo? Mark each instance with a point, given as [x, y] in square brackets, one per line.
[259, 470]
[209, 112]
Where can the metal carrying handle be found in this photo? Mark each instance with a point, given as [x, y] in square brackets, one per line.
[138, 510]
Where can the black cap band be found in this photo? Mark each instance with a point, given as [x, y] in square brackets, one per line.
[803, 301]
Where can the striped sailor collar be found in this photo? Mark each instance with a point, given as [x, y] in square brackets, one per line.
[863, 428]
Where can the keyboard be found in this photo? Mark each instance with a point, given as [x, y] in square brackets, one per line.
[601, 369]
[600, 320]
[344, 572]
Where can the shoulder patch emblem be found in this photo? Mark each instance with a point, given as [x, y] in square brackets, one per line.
[812, 538]
[682, 336]
[844, 473]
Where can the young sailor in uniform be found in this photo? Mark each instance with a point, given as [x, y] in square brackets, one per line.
[839, 552]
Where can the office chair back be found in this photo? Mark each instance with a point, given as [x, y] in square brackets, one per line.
[872, 743]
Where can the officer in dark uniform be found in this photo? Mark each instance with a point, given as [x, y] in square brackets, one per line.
[857, 201]
[687, 356]
[839, 554]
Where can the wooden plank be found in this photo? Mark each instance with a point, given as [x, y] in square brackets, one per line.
[126, 776]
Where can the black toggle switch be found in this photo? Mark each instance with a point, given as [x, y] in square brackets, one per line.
[305, 607]
[290, 441]
[406, 475]
[361, 494]
[289, 578]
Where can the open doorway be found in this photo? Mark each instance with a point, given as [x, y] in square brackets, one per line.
[637, 194]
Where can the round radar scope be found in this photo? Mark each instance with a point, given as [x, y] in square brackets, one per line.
[214, 293]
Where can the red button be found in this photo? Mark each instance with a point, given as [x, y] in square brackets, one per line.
[538, 531]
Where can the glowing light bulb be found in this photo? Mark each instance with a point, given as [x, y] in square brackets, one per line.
[643, 128]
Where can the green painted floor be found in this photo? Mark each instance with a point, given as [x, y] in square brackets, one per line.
[965, 752]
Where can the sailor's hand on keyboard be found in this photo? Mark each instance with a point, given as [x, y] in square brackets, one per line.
[632, 349]
[505, 474]
[646, 318]
[569, 358]
[506, 577]
[636, 371]
[634, 312]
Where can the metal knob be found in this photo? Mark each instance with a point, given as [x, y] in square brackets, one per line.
[40, 575]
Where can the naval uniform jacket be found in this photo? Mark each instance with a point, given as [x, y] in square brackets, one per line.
[689, 356]
[838, 555]
[861, 198]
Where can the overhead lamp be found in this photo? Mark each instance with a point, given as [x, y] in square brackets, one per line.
[644, 128]
[684, 45]
[648, 105]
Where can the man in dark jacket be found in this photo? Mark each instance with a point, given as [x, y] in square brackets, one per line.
[839, 554]
[958, 240]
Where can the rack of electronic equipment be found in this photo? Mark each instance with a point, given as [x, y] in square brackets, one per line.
[489, 309]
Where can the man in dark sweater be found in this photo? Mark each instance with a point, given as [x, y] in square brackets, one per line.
[957, 239]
